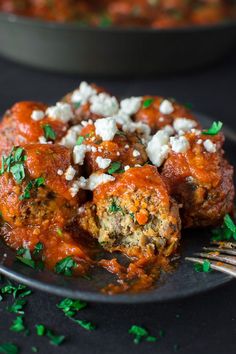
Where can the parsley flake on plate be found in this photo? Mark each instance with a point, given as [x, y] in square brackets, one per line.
[40, 330]
[71, 307]
[140, 334]
[18, 324]
[9, 348]
[65, 266]
[49, 133]
[214, 129]
[17, 306]
[148, 102]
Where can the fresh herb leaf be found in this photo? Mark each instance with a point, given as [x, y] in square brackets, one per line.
[70, 307]
[151, 339]
[114, 208]
[80, 140]
[76, 105]
[14, 163]
[147, 103]
[38, 182]
[114, 167]
[49, 133]
[141, 333]
[214, 129]
[9, 348]
[29, 262]
[226, 231]
[34, 349]
[105, 21]
[55, 339]
[17, 306]
[65, 266]
[85, 324]
[205, 267]
[59, 231]
[18, 172]
[38, 248]
[18, 325]
[188, 105]
[40, 330]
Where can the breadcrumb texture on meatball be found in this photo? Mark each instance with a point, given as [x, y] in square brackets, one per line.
[133, 214]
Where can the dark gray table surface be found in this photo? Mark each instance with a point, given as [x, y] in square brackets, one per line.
[202, 324]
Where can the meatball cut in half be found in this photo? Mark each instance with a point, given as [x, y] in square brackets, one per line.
[91, 102]
[37, 185]
[200, 179]
[33, 122]
[133, 214]
[158, 112]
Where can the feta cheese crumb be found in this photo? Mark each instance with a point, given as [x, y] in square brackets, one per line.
[106, 128]
[209, 146]
[79, 152]
[103, 104]
[199, 141]
[83, 94]
[161, 119]
[93, 149]
[74, 189]
[118, 153]
[96, 179]
[37, 115]
[166, 107]
[60, 172]
[127, 167]
[122, 118]
[136, 153]
[184, 124]
[168, 129]
[179, 144]
[126, 146]
[131, 105]
[69, 140]
[102, 162]
[61, 111]
[70, 173]
[42, 140]
[157, 148]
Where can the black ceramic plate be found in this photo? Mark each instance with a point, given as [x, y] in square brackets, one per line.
[183, 282]
[112, 51]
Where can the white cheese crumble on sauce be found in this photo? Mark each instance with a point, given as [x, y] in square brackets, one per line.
[60, 172]
[157, 148]
[96, 179]
[168, 130]
[199, 141]
[127, 167]
[131, 105]
[61, 111]
[74, 189]
[42, 140]
[83, 93]
[104, 105]
[70, 173]
[184, 124]
[209, 146]
[102, 162]
[122, 118]
[142, 129]
[126, 146]
[69, 140]
[179, 144]
[166, 107]
[106, 128]
[136, 153]
[37, 115]
[79, 152]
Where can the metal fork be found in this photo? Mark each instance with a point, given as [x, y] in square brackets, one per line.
[222, 256]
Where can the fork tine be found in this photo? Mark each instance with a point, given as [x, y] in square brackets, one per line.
[228, 269]
[220, 250]
[221, 258]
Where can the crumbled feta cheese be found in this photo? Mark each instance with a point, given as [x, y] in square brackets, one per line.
[70, 173]
[142, 129]
[93, 149]
[69, 140]
[106, 128]
[122, 118]
[99, 149]
[102, 162]
[161, 119]
[84, 123]
[166, 107]
[199, 141]
[79, 152]
[61, 111]
[103, 104]
[131, 105]
[184, 124]
[136, 153]
[96, 179]
[60, 172]
[82, 182]
[209, 146]
[179, 144]
[168, 129]
[126, 146]
[118, 153]
[157, 148]
[42, 140]
[137, 165]
[127, 167]
[196, 131]
[37, 115]
[74, 189]
[83, 94]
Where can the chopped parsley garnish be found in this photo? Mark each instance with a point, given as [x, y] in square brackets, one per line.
[17, 306]
[115, 168]
[80, 140]
[14, 163]
[59, 231]
[85, 324]
[19, 290]
[38, 248]
[214, 129]
[140, 334]
[34, 349]
[205, 267]
[65, 266]
[76, 105]
[18, 325]
[9, 348]
[105, 21]
[119, 132]
[38, 182]
[188, 105]
[71, 307]
[27, 261]
[49, 133]
[147, 103]
[114, 208]
[227, 230]
[40, 330]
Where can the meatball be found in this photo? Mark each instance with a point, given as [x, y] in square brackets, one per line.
[158, 112]
[133, 214]
[26, 123]
[201, 180]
